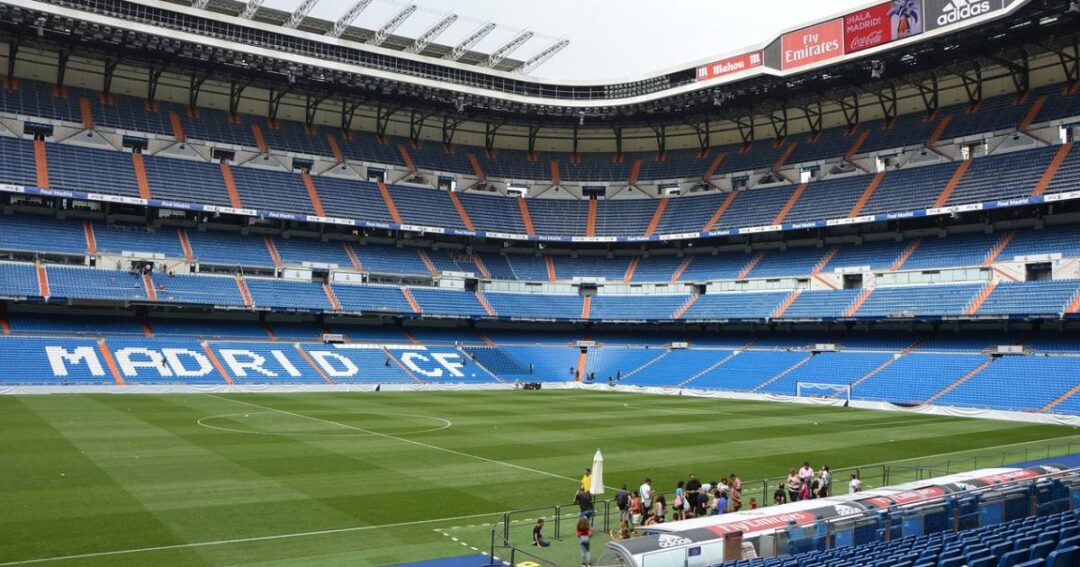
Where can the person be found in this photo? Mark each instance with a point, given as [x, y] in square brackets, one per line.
[622, 500]
[646, 495]
[804, 489]
[855, 485]
[721, 504]
[723, 485]
[586, 480]
[694, 494]
[584, 500]
[753, 503]
[538, 535]
[680, 505]
[736, 493]
[806, 472]
[584, 532]
[779, 497]
[623, 532]
[793, 484]
[826, 481]
[660, 509]
[635, 509]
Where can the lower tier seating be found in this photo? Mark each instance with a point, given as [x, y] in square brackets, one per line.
[943, 368]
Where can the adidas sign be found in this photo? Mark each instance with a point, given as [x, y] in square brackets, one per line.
[960, 10]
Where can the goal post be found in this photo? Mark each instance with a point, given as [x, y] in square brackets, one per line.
[823, 391]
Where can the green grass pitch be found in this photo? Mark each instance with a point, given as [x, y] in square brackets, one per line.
[382, 478]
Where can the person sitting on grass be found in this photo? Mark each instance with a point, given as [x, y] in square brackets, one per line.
[538, 535]
[625, 531]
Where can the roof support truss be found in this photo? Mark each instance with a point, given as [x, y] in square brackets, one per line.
[195, 88]
[470, 40]
[251, 9]
[389, 27]
[746, 128]
[543, 57]
[508, 48]
[433, 32]
[348, 18]
[300, 13]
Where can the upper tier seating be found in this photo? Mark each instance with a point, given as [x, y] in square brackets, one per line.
[994, 177]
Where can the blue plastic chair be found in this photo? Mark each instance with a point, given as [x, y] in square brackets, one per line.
[1064, 557]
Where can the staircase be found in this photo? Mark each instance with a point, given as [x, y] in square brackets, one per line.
[466, 220]
[786, 304]
[407, 158]
[910, 349]
[820, 266]
[1060, 399]
[681, 269]
[962, 379]
[272, 250]
[590, 220]
[647, 364]
[1051, 170]
[230, 186]
[313, 195]
[427, 262]
[43, 281]
[630, 269]
[244, 292]
[718, 364]
[686, 306]
[658, 214]
[724, 206]
[947, 191]
[750, 265]
[1074, 305]
[526, 219]
[412, 300]
[998, 248]
[388, 200]
[140, 175]
[790, 203]
[586, 306]
[148, 285]
[866, 194]
[903, 258]
[91, 239]
[858, 303]
[984, 294]
[332, 297]
[793, 368]
[484, 303]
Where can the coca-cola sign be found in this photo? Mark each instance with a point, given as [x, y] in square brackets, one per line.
[730, 66]
[881, 24]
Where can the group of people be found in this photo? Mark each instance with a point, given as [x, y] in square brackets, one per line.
[806, 484]
[693, 498]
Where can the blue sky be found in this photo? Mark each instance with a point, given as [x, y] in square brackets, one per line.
[608, 38]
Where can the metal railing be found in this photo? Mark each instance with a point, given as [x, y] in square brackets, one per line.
[872, 476]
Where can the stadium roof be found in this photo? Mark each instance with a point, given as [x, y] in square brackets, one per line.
[991, 39]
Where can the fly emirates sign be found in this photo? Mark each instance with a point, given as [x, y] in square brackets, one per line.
[814, 44]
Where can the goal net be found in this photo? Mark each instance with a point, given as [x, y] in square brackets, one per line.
[823, 391]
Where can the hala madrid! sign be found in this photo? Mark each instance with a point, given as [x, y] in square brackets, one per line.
[881, 24]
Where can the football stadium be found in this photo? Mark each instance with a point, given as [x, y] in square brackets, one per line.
[350, 283]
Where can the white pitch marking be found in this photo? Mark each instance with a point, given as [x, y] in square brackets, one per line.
[403, 440]
[241, 540]
[446, 423]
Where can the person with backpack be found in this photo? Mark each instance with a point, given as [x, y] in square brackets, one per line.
[622, 500]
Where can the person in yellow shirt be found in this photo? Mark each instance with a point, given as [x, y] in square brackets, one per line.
[586, 481]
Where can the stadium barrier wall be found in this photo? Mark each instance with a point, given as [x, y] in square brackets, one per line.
[1000, 415]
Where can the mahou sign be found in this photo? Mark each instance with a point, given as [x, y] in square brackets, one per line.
[811, 45]
[729, 66]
